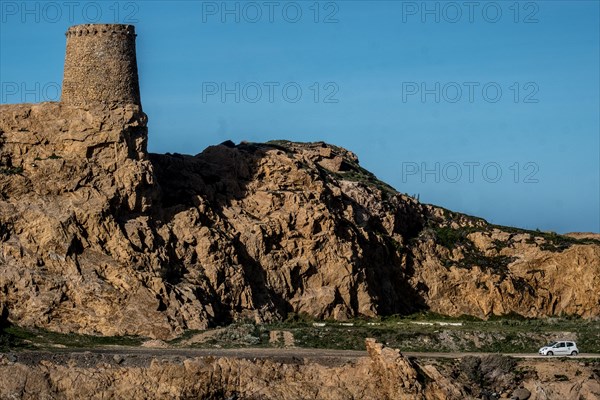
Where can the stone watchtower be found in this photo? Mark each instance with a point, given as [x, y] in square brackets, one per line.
[100, 66]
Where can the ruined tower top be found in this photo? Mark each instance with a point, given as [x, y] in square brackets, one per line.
[100, 66]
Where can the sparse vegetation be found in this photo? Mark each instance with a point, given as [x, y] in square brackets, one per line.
[11, 170]
[14, 337]
[433, 332]
[552, 240]
[424, 332]
[450, 238]
[352, 171]
[51, 157]
[364, 176]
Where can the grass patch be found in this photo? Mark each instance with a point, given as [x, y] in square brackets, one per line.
[15, 337]
[422, 332]
[451, 238]
[185, 336]
[433, 332]
[361, 175]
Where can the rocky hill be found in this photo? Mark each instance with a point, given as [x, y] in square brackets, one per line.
[98, 236]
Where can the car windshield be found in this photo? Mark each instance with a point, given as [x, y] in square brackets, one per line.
[551, 344]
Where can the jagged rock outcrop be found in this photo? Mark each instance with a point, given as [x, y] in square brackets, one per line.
[98, 236]
[384, 374]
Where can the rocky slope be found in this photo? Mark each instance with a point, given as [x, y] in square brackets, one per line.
[384, 374]
[98, 236]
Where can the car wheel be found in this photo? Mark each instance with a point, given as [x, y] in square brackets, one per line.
[549, 353]
[573, 353]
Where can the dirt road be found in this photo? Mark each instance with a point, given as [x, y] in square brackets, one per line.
[143, 356]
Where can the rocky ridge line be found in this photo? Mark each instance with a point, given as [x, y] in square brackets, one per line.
[97, 236]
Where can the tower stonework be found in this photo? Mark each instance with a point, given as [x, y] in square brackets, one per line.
[100, 66]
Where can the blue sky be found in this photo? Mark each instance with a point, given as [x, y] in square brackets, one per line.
[492, 111]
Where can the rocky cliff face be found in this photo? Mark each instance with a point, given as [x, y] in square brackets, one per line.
[98, 236]
[390, 376]
[384, 374]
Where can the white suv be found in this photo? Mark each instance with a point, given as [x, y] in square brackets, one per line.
[564, 348]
